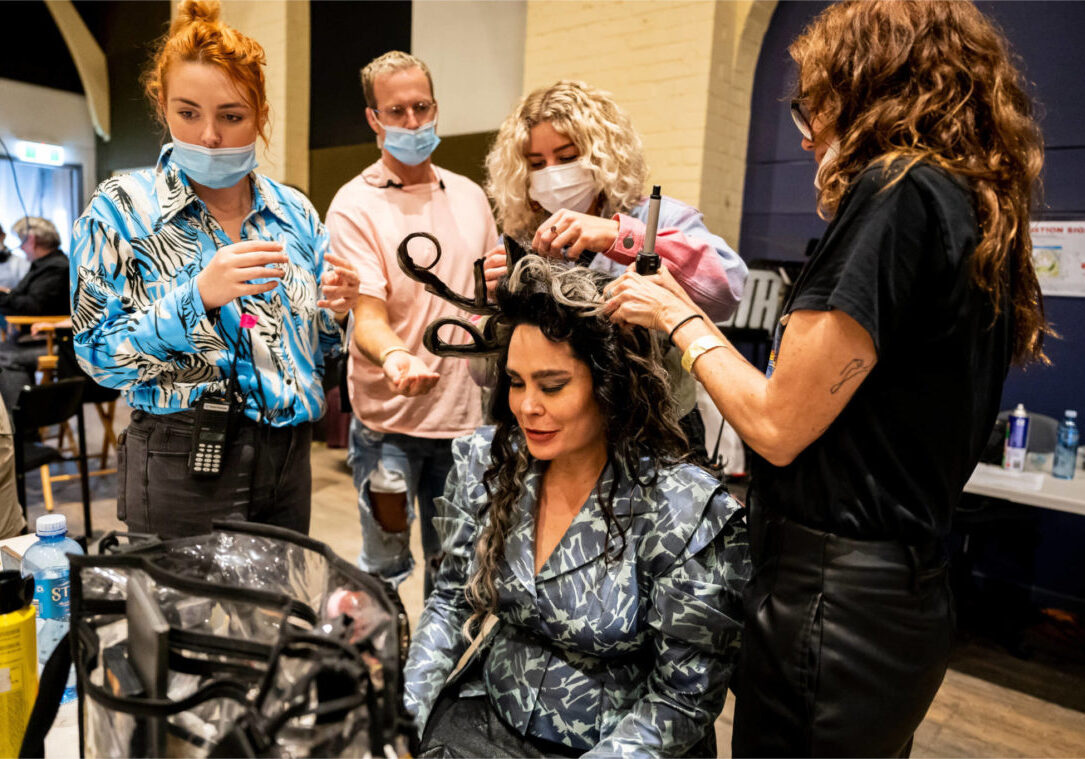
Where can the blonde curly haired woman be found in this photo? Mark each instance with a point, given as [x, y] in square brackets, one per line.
[567, 173]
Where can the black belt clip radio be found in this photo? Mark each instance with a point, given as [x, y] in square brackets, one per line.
[215, 415]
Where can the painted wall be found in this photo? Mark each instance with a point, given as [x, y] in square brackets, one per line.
[476, 84]
[31, 37]
[41, 114]
[126, 37]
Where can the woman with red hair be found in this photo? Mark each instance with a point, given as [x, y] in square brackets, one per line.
[196, 289]
[886, 374]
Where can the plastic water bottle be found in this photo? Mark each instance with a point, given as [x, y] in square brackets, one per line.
[1066, 447]
[47, 561]
[1013, 456]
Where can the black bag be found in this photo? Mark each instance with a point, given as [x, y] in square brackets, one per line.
[251, 641]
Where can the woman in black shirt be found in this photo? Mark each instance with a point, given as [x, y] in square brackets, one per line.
[886, 372]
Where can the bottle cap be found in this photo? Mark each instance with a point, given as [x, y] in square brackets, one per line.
[16, 591]
[49, 525]
[1071, 413]
[1020, 409]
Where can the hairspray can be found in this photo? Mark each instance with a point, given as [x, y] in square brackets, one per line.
[1013, 456]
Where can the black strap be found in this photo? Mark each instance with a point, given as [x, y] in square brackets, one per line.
[54, 678]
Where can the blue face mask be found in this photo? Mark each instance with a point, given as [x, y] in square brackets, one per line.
[214, 167]
[411, 146]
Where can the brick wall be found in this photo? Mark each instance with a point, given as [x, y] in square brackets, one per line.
[682, 70]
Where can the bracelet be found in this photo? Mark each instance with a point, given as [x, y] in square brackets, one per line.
[389, 351]
[698, 348]
[689, 318]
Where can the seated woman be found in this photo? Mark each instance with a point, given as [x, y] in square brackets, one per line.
[613, 569]
[567, 175]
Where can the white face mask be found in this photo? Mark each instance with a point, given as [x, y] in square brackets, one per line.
[566, 185]
[831, 152]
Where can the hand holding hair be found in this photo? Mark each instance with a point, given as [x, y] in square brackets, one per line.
[567, 234]
[656, 302]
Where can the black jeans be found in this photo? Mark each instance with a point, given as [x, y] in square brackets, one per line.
[266, 477]
[18, 363]
[845, 645]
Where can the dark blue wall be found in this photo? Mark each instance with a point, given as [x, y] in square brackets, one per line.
[778, 220]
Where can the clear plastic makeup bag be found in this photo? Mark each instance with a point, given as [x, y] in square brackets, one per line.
[249, 641]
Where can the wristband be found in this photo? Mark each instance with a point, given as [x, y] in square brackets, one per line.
[698, 348]
[689, 318]
[389, 351]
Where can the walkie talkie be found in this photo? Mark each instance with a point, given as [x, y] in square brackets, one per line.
[648, 259]
[214, 412]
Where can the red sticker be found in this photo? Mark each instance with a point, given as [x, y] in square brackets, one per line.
[248, 321]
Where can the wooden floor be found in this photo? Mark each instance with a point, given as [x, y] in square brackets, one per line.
[969, 717]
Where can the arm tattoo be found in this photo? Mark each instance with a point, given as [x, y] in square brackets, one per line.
[853, 368]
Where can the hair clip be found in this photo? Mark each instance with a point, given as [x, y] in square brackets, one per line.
[477, 305]
[483, 343]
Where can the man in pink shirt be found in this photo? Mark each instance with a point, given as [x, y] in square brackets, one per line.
[408, 403]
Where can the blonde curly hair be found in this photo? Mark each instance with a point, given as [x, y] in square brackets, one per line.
[602, 133]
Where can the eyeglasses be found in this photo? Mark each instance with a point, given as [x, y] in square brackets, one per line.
[397, 114]
[801, 117]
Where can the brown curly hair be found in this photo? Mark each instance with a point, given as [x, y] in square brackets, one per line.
[907, 81]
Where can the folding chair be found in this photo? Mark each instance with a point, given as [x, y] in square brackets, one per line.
[41, 406]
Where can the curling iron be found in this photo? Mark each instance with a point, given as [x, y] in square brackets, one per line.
[648, 259]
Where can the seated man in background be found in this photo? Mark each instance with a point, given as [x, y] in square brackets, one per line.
[13, 267]
[43, 291]
[13, 264]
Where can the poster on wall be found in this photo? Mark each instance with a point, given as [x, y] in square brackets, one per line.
[1058, 253]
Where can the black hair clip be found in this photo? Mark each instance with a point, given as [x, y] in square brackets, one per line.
[477, 305]
[483, 342]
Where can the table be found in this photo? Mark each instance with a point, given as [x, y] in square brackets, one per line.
[49, 326]
[63, 737]
[1030, 488]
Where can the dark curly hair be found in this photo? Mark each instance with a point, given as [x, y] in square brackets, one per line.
[629, 384]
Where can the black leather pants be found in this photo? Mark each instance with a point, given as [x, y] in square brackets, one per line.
[845, 645]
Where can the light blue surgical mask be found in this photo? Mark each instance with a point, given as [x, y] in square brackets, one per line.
[214, 167]
[411, 146]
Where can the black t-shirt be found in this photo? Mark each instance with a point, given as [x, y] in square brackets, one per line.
[894, 462]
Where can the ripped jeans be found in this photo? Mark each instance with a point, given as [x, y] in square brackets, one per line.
[422, 466]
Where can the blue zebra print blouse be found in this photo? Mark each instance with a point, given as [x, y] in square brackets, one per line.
[138, 318]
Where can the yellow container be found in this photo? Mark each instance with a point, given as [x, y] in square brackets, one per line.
[18, 675]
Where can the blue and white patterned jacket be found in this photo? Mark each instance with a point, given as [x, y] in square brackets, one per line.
[631, 658]
[138, 318]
